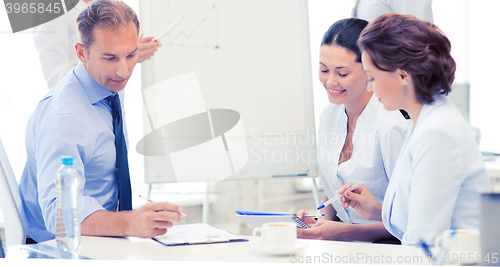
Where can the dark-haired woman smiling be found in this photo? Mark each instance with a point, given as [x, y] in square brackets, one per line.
[358, 140]
[439, 172]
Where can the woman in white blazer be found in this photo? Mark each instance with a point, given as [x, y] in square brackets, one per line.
[439, 173]
[358, 140]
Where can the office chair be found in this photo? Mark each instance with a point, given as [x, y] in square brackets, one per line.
[2, 254]
[10, 201]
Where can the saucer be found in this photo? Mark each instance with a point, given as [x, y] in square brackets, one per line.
[261, 247]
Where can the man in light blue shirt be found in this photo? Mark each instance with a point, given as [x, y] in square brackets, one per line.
[75, 119]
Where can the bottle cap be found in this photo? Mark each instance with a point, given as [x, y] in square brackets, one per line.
[67, 160]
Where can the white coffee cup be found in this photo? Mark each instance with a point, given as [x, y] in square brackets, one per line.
[277, 234]
[459, 246]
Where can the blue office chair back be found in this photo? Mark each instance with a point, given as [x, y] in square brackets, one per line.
[2, 255]
[10, 202]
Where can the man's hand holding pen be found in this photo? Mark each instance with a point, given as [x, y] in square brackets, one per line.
[150, 220]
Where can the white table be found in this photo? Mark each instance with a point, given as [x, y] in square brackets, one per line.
[317, 251]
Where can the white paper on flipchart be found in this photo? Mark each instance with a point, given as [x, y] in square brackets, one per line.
[185, 233]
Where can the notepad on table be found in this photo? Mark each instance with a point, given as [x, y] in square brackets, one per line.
[257, 218]
[196, 233]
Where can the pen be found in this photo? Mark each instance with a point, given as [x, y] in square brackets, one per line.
[338, 196]
[168, 29]
[313, 215]
[425, 247]
[178, 213]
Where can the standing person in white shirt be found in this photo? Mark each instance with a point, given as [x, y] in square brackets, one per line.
[55, 44]
[370, 9]
[358, 139]
[440, 172]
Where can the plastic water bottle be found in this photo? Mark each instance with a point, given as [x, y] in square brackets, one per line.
[68, 229]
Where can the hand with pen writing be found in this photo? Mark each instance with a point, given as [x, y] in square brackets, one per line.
[153, 219]
[361, 200]
[148, 221]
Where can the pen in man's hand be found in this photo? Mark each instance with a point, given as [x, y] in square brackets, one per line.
[178, 213]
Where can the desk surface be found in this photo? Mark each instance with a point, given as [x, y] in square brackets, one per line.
[316, 252]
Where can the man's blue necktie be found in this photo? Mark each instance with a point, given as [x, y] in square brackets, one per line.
[123, 175]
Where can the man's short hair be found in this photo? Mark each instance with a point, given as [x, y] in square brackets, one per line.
[104, 13]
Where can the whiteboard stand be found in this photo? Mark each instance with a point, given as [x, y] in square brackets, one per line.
[213, 38]
[205, 216]
[260, 194]
[315, 192]
[149, 190]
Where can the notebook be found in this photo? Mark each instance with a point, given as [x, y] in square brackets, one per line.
[257, 218]
[197, 233]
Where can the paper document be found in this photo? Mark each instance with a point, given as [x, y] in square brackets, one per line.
[196, 233]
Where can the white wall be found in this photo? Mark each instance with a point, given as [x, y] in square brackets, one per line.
[322, 14]
[483, 58]
[22, 84]
[471, 27]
